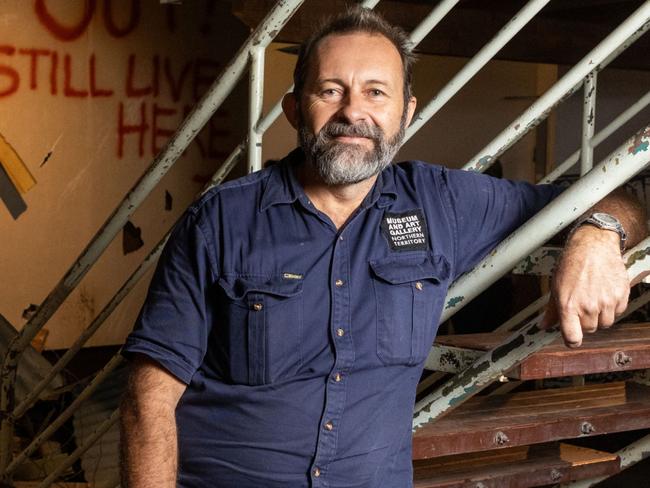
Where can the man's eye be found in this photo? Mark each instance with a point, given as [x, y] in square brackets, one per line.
[329, 92]
[376, 92]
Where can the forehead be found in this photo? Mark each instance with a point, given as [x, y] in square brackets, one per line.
[339, 55]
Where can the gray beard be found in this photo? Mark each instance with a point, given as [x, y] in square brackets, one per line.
[339, 163]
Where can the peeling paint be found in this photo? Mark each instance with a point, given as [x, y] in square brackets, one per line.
[502, 351]
[454, 301]
[637, 256]
[484, 161]
[449, 358]
[639, 144]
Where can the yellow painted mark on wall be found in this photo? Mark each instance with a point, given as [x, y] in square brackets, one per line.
[15, 167]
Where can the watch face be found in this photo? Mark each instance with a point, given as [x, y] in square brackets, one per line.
[605, 218]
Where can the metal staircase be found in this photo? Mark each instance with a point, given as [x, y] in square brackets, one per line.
[495, 429]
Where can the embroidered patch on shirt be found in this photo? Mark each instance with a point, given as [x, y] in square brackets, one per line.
[406, 231]
[292, 276]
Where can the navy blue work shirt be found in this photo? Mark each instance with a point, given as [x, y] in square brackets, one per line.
[301, 345]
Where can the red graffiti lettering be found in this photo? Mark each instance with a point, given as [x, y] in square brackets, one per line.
[112, 28]
[94, 91]
[176, 86]
[124, 129]
[11, 74]
[68, 89]
[59, 30]
[157, 131]
[54, 87]
[33, 63]
[151, 89]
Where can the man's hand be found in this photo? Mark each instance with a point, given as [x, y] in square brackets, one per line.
[590, 286]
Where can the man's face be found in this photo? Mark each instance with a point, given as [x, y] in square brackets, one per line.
[352, 114]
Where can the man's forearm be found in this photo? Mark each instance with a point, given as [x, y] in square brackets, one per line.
[629, 212]
[149, 447]
[148, 427]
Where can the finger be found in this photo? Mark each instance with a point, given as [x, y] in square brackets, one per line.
[606, 317]
[621, 306]
[571, 330]
[550, 317]
[589, 321]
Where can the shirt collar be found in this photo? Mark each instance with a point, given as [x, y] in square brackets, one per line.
[283, 187]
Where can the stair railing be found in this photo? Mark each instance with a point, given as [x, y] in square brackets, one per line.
[253, 57]
[200, 115]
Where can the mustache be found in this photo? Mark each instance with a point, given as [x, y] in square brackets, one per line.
[340, 129]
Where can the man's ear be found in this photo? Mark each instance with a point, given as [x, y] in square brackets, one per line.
[410, 109]
[290, 109]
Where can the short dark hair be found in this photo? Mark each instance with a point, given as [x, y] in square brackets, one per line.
[356, 19]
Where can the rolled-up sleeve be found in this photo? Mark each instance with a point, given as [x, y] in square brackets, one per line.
[175, 320]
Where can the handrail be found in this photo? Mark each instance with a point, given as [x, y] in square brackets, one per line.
[78, 452]
[417, 35]
[257, 126]
[468, 71]
[114, 362]
[605, 52]
[519, 346]
[205, 108]
[613, 171]
[614, 125]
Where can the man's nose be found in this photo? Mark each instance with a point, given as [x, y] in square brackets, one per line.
[353, 108]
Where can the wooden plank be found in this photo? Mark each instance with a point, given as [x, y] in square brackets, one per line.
[500, 421]
[519, 467]
[622, 348]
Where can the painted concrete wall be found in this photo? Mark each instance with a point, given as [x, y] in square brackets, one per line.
[89, 92]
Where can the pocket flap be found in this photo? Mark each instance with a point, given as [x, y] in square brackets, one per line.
[403, 269]
[238, 287]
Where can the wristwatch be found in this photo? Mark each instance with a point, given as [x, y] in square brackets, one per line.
[606, 222]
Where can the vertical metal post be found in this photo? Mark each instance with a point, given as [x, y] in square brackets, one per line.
[588, 123]
[255, 95]
[622, 119]
[607, 50]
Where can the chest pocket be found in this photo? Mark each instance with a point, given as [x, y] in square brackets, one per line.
[409, 291]
[263, 325]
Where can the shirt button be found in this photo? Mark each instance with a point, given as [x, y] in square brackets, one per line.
[339, 283]
[337, 377]
[329, 425]
[257, 307]
[418, 285]
[316, 472]
[340, 332]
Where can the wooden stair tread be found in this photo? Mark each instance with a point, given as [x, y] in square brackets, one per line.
[621, 348]
[517, 467]
[500, 421]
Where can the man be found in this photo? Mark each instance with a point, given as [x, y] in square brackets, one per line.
[287, 323]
